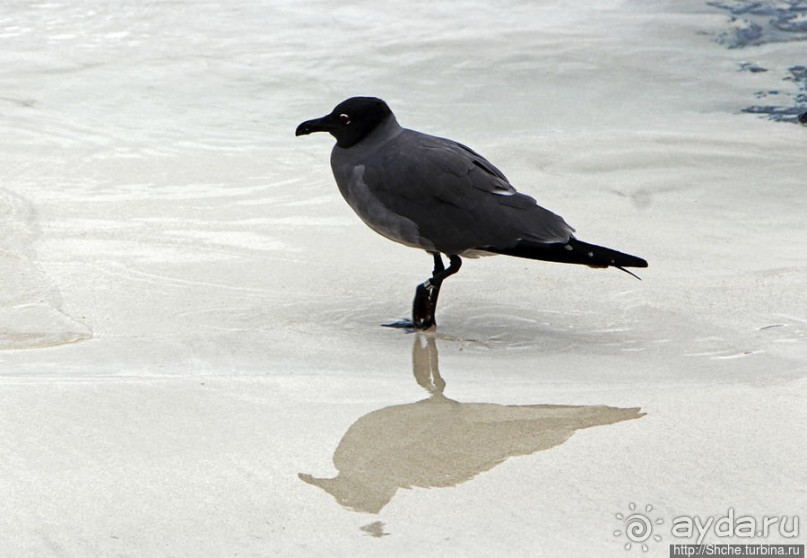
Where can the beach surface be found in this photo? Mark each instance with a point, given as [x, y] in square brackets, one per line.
[191, 355]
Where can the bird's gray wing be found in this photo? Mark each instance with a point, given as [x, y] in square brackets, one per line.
[457, 199]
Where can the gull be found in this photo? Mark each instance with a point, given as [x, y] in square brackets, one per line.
[438, 195]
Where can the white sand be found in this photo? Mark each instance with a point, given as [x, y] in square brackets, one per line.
[189, 313]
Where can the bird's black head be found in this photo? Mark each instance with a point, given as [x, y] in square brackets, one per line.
[350, 121]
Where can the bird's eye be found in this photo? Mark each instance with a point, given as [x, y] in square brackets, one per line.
[344, 119]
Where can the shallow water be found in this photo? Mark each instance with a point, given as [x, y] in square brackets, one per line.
[189, 312]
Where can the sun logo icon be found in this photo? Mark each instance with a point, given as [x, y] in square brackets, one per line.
[638, 527]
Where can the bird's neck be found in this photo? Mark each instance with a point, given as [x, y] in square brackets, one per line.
[385, 131]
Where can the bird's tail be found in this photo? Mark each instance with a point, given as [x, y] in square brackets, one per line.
[575, 252]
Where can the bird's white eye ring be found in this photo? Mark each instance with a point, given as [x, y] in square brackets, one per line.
[344, 119]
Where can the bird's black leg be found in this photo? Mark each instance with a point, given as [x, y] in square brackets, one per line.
[425, 303]
[438, 264]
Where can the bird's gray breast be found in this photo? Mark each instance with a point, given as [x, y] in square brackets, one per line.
[361, 197]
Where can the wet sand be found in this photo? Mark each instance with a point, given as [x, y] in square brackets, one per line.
[191, 356]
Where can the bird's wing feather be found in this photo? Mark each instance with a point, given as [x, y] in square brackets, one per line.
[456, 197]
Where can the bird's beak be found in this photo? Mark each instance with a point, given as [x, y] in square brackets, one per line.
[316, 125]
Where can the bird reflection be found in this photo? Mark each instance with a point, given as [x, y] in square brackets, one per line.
[439, 442]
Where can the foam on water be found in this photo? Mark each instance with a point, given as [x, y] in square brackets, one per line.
[754, 24]
[156, 143]
[30, 305]
[122, 79]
